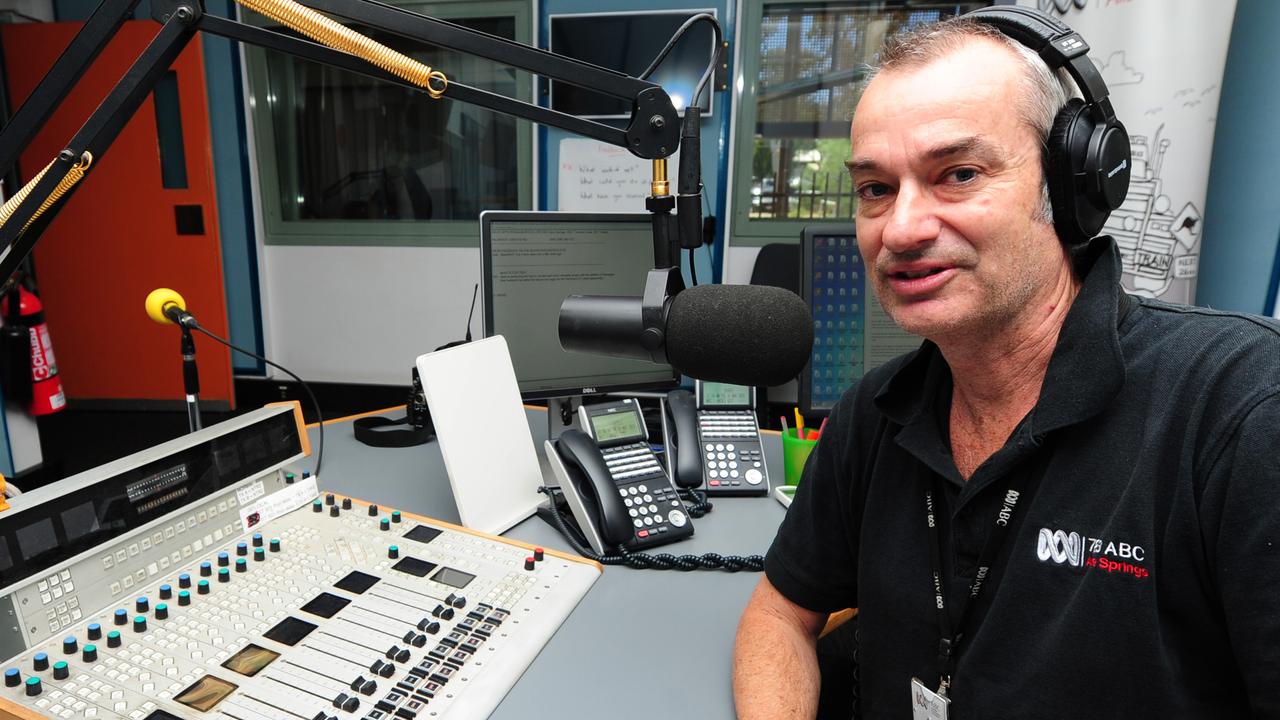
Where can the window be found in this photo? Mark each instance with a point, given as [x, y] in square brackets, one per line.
[801, 89]
[347, 159]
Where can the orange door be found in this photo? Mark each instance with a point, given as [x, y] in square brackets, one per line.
[144, 217]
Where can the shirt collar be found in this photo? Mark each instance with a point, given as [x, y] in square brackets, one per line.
[1085, 372]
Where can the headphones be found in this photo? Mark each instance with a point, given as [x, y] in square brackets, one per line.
[1088, 160]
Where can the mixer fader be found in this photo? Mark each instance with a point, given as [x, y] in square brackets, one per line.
[335, 609]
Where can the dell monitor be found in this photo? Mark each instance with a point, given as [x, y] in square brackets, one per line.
[851, 332]
[532, 261]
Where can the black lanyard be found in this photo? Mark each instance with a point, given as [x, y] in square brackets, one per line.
[949, 644]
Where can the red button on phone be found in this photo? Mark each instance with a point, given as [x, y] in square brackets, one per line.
[643, 534]
[714, 483]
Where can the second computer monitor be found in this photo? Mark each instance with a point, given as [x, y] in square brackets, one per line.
[532, 261]
[851, 332]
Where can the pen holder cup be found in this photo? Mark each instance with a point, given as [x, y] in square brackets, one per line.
[795, 452]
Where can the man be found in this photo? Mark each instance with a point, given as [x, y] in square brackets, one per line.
[1101, 471]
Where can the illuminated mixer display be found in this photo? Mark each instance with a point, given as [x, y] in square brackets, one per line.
[272, 603]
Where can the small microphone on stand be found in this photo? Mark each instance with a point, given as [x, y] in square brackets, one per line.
[167, 306]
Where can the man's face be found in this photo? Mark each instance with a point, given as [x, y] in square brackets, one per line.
[949, 183]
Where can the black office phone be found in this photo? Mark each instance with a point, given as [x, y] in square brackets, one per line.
[713, 440]
[617, 490]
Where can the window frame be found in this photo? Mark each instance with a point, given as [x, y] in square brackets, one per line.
[383, 233]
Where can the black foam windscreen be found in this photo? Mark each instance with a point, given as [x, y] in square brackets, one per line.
[739, 334]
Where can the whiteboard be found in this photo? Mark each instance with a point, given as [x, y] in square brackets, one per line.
[596, 177]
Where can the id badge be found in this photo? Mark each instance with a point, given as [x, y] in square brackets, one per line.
[927, 704]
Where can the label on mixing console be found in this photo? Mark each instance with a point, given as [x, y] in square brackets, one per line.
[278, 503]
[250, 492]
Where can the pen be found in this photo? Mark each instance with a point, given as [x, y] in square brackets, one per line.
[783, 418]
[799, 425]
[822, 427]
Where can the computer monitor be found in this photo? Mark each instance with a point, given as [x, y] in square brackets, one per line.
[532, 261]
[851, 332]
[628, 42]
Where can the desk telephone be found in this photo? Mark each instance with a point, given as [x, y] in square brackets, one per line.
[617, 490]
[713, 440]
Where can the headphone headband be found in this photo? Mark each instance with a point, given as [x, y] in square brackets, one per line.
[1087, 161]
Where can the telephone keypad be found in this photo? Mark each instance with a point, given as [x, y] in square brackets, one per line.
[727, 462]
[644, 487]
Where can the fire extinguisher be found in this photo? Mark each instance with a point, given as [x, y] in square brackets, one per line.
[46, 396]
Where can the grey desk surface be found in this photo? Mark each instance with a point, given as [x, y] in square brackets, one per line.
[642, 643]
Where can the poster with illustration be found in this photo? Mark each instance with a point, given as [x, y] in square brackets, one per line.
[1162, 61]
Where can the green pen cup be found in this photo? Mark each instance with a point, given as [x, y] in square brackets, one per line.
[795, 453]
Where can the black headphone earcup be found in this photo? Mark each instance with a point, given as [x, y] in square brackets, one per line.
[1067, 146]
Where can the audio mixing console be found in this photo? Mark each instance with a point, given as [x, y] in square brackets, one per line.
[201, 579]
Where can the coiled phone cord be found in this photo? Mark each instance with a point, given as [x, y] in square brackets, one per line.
[695, 502]
[654, 561]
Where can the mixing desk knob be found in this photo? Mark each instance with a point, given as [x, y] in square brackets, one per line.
[333, 511]
[402, 656]
[242, 549]
[330, 499]
[121, 617]
[395, 516]
[142, 604]
[417, 641]
[391, 654]
[224, 575]
[257, 539]
[539, 554]
[61, 670]
[202, 587]
[33, 686]
[346, 503]
[40, 662]
[69, 646]
[241, 564]
[140, 624]
[95, 631]
[384, 524]
[166, 592]
[184, 598]
[162, 612]
[289, 478]
[259, 554]
[90, 653]
[223, 559]
[529, 563]
[275, 544]
[206, 569]
[373, 511]
[12, 678]
[113, 638]
[358, 683]
[184, 580]
[317, 506]
[429, 626]
[393, 552]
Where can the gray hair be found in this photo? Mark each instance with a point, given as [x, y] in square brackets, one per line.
[1045, 91]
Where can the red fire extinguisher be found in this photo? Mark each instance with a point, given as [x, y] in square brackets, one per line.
[47, 396]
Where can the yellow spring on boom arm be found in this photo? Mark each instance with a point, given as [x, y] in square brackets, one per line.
[322, 29]
[72, 177]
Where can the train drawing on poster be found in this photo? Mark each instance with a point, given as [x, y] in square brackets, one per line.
[1158, 243]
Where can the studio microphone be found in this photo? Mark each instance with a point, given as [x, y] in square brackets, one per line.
[739, 334]
[167, 306]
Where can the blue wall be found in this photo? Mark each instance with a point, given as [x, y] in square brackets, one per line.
[1238, 261]
[231, 176]
[715, 130]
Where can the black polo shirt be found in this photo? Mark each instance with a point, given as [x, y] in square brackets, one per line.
[1141, 574]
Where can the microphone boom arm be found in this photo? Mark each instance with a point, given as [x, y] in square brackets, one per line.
[653, 132]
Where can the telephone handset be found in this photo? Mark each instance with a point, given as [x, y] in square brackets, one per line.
[713, 440]
[618, 492]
